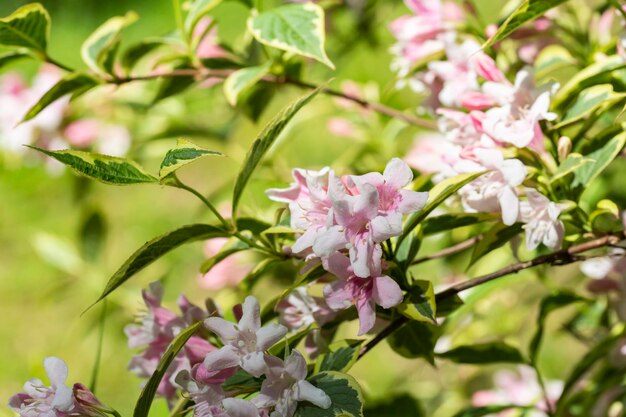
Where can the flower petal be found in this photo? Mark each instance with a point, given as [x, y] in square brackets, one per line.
[251, 318]
[254, 364]
[295, 365]
[305, 391]
[367, 315]
[225, 357]
[236, 407]
[269, 334]
[63, 398]
[224, 329]
[56, 369]
[386, 292]
[397, 173]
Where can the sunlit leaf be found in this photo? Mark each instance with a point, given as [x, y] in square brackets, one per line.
[99, 48]
[184, 153]
[601, 159]
[243, 79]
[28, 27]
[589, 101]
[419, 303]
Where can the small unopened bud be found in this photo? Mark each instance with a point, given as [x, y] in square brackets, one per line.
[564, 147]
[89, 404]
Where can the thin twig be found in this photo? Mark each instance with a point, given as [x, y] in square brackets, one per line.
[459, 247]
[560, 257]
[204, 74]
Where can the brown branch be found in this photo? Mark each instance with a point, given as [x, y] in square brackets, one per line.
[201, 74]
[561, 257]
[459, 247]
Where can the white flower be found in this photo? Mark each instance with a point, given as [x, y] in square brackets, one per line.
[542, 221]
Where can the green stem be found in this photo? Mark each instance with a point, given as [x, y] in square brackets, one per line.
[56, 63]
[96, 365]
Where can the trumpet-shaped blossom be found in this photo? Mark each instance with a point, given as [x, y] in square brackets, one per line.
[364, 293]
[299, 310]
[159, 326]
[285, 386]
[542, 221]
[245, 342]
[57, 400]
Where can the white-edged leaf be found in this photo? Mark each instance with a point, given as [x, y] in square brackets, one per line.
[527, 11]
[28, 27]
[262, 144]
[199, 9]
[142, 407]
[242, 79]
[156, 248]
[419, 304]
[297, 28]
[75, 83]
[99, 48]
[104, 168]
[573, 162]
[551, 59]
[184, 153]
[601, 159]
[589, 101]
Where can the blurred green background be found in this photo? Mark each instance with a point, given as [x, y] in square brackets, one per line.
[45, 282]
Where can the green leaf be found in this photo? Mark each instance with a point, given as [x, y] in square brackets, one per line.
[527, 11]
[589, 101]
[573, 162]
[449, 305]
[344, 392]
[289, 344]
[493, 239]
[28, 27]
[586, 78]
[243, 79]
[437, 195]
[136, 52]
[310, 276]
[415, 339]
[549, 304]
[156, 248]
[262, 144]
[401, 406]
[340, 357]
[75, 83]
[98, 50]
[601, 159]
[445, 222]
[142, 408]
[483, 353]
[104, 168]
[419, 304]
[551, 59]
[256, 100]
[259, 270]
[184, 153]
[230, 248]
[242, 381]
[487, 410]
[297, 28]
[7, 58]
[92, 234]
[198, 10]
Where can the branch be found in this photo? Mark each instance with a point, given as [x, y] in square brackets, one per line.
[459, 247]
[202, 74]
[561, 257]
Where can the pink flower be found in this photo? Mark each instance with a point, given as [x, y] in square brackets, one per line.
[364, 293]
[159, 326]
[82, 133]
[245, 342]
[229, 272]
[542, 221]
[57, 400]
[299, 310]
[206, 38]
[285, 385]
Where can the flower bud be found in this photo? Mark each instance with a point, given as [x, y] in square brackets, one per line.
[89, 404]
[564, 147]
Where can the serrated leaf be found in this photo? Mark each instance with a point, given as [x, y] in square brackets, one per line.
[586, 78]
[573, 162]
[493, 239]
[142, 407]
[198, 10]
[601, 159]
[297, 28]
[75, 83]
[446, 222]
[340, 357]
[419, 304]
[487, 410]
[482, 353]
[415, 339]
[184, 153]
[549, 304]
[262, 144]
[344, 392]
[551, 59]
[243, 79]
[527, 11]
[28, 27]
[8, 57]
[437, 195]
[589, 101]
[156, 248]
[104, 168]
[99, 48]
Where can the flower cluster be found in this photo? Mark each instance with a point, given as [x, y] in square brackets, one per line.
[159, 326]
[57, 400]
[344, 221]
[245, 346]
[481, 115]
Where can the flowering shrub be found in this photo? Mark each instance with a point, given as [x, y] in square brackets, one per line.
[509, 124]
